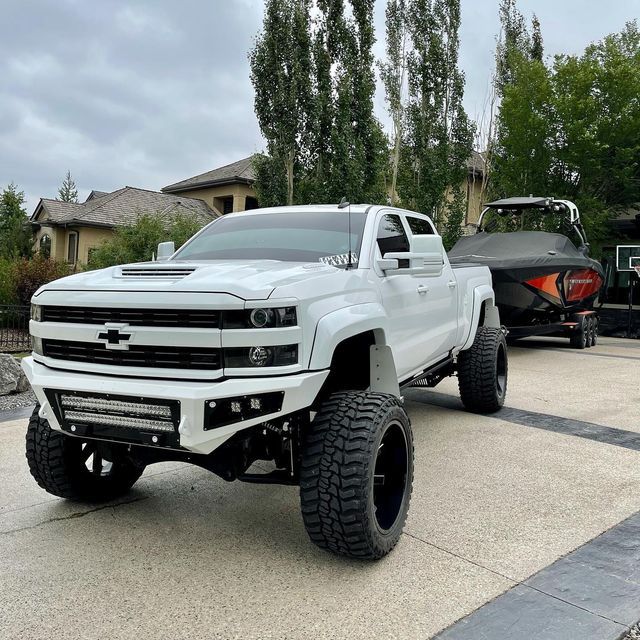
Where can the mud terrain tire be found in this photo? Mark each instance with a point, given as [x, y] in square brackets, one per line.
[58, 463]
[482, 372]
[357, 474]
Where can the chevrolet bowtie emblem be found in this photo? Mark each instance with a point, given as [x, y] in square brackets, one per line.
[115, 336]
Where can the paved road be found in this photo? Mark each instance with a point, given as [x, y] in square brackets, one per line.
[187, 555]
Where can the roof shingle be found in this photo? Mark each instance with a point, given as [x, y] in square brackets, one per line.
[240, 171]
[122, 207]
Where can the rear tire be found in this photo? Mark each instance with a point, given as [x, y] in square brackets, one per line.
[77, 469]
[596, 330]
[357, 474]
[483, 372]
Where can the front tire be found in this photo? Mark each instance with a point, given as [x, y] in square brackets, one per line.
[482, 372]
[357, 474]
[77, 469]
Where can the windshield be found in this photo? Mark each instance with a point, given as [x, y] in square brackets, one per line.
[291, 237]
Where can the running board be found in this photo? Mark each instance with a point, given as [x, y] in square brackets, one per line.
[432, 376]
[277, 476]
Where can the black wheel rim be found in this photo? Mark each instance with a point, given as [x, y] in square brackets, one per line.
[94, 461]
[501, 370]
[390, 476]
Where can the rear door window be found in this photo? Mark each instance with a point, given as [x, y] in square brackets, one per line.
[419, 226]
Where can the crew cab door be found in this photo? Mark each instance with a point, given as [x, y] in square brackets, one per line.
[422, 308]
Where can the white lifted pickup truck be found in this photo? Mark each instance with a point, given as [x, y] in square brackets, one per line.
[281, 334]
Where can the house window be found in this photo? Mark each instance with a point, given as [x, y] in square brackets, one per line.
[45, 246]
[227, 205]
[72, 251]
[251, 203]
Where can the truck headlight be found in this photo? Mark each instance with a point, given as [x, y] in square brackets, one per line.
[260, 318]
[36, 312]
[280, 356]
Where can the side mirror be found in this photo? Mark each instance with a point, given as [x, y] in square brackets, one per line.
[165, 251]
[425, 258]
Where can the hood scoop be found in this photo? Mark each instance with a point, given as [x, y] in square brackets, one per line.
[170, 273]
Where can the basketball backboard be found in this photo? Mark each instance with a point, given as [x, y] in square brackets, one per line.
[624, 255]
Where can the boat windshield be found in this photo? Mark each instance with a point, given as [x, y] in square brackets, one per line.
[307, 236]
[555, 218]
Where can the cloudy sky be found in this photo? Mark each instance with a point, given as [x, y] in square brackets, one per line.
[145, 93]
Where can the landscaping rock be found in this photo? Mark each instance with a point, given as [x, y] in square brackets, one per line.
[12, 378]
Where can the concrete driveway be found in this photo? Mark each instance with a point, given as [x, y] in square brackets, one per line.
[186, 555]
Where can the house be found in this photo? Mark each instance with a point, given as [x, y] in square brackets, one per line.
[69, 231]
[230, 188]
[225, 189]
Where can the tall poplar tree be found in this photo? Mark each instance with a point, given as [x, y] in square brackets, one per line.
[350, 147]
[439, 133]
[281, 75]
[393, 72]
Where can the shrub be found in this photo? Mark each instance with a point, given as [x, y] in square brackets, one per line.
[139, 242]
[7, 290]
[27, 276]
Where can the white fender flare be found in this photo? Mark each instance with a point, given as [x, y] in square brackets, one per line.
[481, 295]
[345, 323]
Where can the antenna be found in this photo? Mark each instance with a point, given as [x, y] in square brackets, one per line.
[342, 205]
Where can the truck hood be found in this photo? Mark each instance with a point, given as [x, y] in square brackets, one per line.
[248, 280]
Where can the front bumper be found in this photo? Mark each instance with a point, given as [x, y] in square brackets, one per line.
[300, 390]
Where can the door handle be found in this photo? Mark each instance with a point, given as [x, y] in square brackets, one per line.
[452, 284]
[422, 289]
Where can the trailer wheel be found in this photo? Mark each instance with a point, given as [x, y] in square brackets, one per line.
[482, 372]
[77, 469]
[356, 474]
[590, 331]
[580, 338]
[595, 331]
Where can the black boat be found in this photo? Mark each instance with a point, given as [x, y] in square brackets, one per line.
[543, 283]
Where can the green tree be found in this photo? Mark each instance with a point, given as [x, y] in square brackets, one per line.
[439, 134]
[16, 238]
[573, 131]
[359, 148]
[139, 241]
[281, 75]
[68, 191]
[314, 84]
[271, 182]
[393, 72]
[526, 131]
[513, 43]
[537, 47]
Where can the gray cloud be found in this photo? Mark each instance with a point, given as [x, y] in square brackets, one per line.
[148, 93]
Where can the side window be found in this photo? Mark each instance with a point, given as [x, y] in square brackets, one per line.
[419, 226]
[391, 235]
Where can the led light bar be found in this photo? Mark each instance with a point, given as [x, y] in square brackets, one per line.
[118, 421]
[102, 404]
